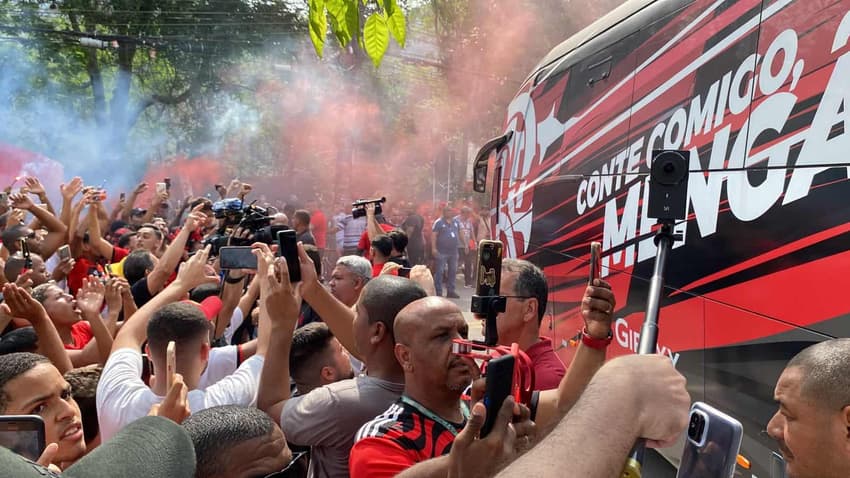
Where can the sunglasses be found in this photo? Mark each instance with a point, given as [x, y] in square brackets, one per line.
[289, 470]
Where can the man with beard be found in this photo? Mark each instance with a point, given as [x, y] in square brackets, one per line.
[812, 425]
[423, 423]
[317, 358]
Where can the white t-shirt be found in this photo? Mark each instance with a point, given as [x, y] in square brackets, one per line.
[235, 321]
[223, 362]
[122, 396]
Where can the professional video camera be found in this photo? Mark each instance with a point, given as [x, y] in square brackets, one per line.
[358, 207]
[233, 214]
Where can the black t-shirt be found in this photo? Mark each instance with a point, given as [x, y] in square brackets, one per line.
[306, 237]
[400, 260]
[417, 223]
[141, 293]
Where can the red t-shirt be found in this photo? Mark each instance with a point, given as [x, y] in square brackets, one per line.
[84, 267]
[319, 223]
[366, 245]
[548, 368]
[82, 334]
[401, 437]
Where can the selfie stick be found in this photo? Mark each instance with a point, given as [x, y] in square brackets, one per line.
[664, 239]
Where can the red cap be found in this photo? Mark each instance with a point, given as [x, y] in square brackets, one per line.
[210, 306]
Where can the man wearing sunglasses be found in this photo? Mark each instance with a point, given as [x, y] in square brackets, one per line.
[527, 294]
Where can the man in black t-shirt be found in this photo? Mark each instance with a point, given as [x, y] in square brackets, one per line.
[412, 226]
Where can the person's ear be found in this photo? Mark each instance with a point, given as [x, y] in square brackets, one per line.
[403, 356]
[328, 374]
[378, 332]
[205, 352]
[845, 423]
[530, 310]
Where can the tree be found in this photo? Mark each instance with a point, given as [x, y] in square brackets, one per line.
[384, 19]
[138, 56]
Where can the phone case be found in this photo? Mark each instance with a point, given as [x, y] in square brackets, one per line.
[288, 248]
[714, 452]
[500, 381]
[489, 268]
[23, 434]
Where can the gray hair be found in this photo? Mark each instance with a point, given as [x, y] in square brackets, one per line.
[359, 266]
[530, 282]
[826, 373]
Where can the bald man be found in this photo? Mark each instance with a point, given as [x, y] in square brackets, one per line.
[812, 425]
[423, 423]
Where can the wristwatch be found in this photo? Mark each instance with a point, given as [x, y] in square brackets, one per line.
[594, 343]
[232, 280]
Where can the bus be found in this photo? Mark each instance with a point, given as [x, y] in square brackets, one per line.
[756, 92]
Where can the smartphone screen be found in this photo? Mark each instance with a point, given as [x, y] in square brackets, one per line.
[288, 249]
[23, 434]
[595, 249]
[64, 252]
[167, 182]
[161, 188]
[712, 444]
[500, 382]
[237, 257]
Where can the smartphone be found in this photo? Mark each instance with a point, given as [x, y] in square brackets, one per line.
[170, 363]
[167, 182]
[595, 249]
[122, 197]
[161, 188]
[23, 434]
[489, 268]
[712, 444]
[500, 384]
[288, 249]
[404, 272]
[64, 252]
[4, 198]
[237, 257]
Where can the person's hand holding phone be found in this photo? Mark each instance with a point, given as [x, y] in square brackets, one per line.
[280, 298]
[195, 218]
[175, 405]
[473, 457]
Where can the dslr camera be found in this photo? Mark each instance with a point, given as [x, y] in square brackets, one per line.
[235, 215]
[358, 207]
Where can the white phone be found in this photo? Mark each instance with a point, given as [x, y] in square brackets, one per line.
[712, 444]
[161, 188]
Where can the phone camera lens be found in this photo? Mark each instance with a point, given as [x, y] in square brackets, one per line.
[696, 425]
[485, 256]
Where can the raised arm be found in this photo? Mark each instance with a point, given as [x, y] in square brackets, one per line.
[597, 309]
[373, 229]
[89, 300]
[171, 258]
[96, 239]
[128, 206]
[69, 191]
[19, 303]
[34, 186]
[337, 315]
[279, 306]
[190, 275]
[55, 229]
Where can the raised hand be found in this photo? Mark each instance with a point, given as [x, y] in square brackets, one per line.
[195, 218]
[21, 201]
[71, 189]
[90, 296]
[21, 304]
[140, 188]
[277, 294]
[175, 406]
[113, 295]
[193, 273]
[34, 186]
[597, 308]
[15, 218]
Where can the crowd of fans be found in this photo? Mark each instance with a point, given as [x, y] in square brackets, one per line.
[143, 357]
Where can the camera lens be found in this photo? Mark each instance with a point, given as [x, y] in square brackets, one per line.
[485, 256]
[696, 425]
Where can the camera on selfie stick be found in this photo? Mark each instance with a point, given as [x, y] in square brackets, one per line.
[488, 303]
[668, 202]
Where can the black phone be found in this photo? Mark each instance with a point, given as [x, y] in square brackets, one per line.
[404, 272]
[500, 383]
[122, 196]
[167, 182]
[237, 257]
[23, 434]
[288, 248]
[595, 249]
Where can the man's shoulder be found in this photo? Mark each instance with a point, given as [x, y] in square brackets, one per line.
[387, 425]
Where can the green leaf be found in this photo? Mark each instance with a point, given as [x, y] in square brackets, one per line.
[318, 25]
[338, 10]
[397, 26]
[389, 6]
[376, 37]
[352, 19]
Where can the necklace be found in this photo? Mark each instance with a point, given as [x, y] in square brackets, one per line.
[464, 410]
